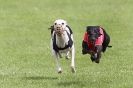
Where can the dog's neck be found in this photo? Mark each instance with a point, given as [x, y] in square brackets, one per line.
[62, 41]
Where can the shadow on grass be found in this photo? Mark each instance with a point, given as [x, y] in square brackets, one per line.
[40, 78]
[69, 83]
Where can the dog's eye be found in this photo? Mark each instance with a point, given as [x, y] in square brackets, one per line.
[55, 23]
[62, 23]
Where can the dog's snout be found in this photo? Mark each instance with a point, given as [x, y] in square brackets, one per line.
[58, 28]
[93, 39]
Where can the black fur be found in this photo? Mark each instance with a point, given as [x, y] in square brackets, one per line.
[94, 33]
[106, 41]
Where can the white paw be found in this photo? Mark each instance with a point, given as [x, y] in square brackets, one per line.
[67, 57]
[73, 69]
[59, 70]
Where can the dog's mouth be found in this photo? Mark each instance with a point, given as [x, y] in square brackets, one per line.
[92, 42]
[59, 32]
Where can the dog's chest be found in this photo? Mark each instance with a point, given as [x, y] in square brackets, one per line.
[61, 42]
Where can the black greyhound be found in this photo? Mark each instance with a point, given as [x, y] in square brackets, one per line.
[96, 40]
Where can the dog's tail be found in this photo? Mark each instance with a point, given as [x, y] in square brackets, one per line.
[110, 46]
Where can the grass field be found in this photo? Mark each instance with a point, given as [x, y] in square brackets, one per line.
[25, 56]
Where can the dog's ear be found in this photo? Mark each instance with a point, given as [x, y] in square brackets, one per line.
[51, 27]
[88, 29]
[97, 31]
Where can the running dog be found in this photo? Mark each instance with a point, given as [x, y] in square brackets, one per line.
[62, 42]
[95, 41]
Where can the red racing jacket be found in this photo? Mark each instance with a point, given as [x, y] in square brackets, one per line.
[98, 41]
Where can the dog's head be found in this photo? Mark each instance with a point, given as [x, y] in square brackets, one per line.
[93, 33]
[59, 26]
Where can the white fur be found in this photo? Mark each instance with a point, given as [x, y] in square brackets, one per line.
[61, 41]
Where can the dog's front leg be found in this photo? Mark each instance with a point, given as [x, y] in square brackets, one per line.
[67, 55]
[73, 59]
[99, 50]
[58, 62]
[56, 57]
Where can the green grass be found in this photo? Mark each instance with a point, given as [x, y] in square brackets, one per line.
[25, 56]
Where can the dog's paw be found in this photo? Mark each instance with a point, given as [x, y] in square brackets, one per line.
[84, 52]
[59, 70]
[92, 59]
[73, 69]
[97, 61]
[67, 57]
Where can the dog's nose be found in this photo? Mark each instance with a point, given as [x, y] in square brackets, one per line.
[92, 39]
[58, 28]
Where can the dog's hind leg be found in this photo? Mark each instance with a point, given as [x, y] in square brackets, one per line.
[68, 55]
[73, 59]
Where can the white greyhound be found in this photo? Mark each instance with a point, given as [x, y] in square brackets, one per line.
[62, 42]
